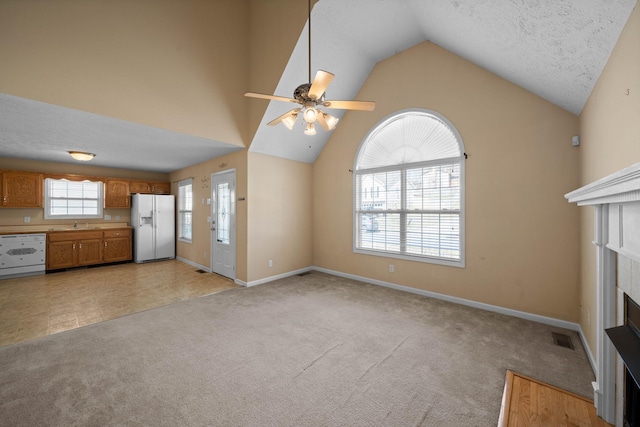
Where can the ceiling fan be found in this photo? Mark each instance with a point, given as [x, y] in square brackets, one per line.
[311, 96]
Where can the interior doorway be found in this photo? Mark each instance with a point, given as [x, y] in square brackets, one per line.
[223, 223]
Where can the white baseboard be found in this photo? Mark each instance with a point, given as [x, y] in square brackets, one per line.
[587, 349]
[201, 267]
[470, 303]
[494, 308]
[276, 277]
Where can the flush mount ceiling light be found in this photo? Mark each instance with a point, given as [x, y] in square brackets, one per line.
[82, 156]
[310, 96]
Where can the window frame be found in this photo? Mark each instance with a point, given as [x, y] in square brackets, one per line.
[181, 211]
[48, 198]
[403, 167]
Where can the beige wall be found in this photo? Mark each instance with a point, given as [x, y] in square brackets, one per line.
[177, 65]
[273, 222]
[274, 30]
[198, 251]
[610, 140]
[16, 216]
[280, 216]
[522, 235]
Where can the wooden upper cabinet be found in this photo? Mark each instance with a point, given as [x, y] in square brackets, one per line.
[161, 187]
[116, 193]
[144, 187]
[21, 190]
[139, 187]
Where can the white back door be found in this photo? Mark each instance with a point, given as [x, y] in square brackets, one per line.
[223, 223]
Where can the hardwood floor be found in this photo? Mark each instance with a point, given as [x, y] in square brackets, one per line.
[527, 402]
[36, 306]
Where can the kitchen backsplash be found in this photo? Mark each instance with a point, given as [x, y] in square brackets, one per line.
[16, 217]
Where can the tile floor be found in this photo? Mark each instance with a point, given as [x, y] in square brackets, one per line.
[36, 306]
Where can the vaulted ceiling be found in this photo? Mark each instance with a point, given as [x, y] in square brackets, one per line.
[556, 50]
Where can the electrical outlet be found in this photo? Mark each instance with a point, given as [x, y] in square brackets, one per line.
[270, 263]
[117, 217]
[204, 255]
[392, 268]
[588, 317]
[27, 219]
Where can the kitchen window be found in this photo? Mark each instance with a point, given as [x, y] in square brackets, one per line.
[185, 210]
[66, 199]
[409, 190]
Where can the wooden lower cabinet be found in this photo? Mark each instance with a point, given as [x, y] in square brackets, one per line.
[66, 249]
[61, 255]
[117, 245]
[89, 251]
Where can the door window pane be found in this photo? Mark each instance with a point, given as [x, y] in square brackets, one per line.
[223, 209]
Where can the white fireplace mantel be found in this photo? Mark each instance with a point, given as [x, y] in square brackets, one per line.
[620, 187]
[616, 199]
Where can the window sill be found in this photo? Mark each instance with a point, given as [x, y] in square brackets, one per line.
[427, 260]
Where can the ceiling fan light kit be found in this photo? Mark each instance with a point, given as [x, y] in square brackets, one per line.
[310, 96]
[310, 129]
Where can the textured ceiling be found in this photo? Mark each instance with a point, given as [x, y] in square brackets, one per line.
[556, 49]
[39, 131]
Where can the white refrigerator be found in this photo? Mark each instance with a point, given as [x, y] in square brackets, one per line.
[153, 222]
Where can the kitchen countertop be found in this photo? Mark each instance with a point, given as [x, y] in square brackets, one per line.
[44, 228]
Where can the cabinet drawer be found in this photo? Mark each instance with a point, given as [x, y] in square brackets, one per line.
[121, 232]
[73, 235]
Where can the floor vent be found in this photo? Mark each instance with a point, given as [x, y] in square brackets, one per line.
[200, 271]
[305, 273]
[562, 340]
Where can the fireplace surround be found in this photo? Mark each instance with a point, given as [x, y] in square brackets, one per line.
[616, 203]
[626, 340]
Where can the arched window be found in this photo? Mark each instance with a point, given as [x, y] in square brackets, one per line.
[409, 189]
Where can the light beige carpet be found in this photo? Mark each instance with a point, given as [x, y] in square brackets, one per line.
[315, 350]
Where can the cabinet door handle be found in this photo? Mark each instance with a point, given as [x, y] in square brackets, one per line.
[74, 246]
[80, 245]
[105, 244]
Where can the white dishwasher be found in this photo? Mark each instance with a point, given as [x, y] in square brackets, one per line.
[22, 255]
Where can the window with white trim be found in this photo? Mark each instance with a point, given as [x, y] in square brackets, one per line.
[409, 190]
[185, 210]
[64, 199]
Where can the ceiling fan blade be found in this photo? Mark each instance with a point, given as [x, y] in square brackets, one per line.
[351, 105]
[320, 83]
[284, 116]
[271, 97]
